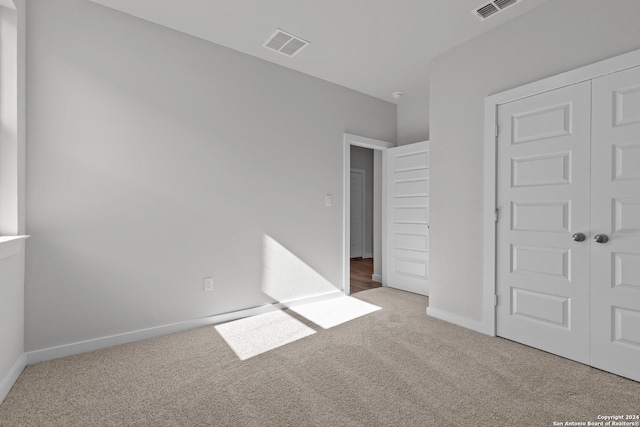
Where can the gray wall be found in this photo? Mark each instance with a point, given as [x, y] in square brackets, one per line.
[362, 158]
[413, 119]
[156, 159]
[558, 36]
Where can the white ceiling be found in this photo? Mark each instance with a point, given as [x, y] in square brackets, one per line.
[372, 46]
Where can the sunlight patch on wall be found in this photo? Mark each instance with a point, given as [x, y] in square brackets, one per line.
[286, 277]
[335, 311]
[255, 335]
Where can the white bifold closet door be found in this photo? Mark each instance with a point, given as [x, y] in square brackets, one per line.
[543, 197]
[568, 234]
[615, 212]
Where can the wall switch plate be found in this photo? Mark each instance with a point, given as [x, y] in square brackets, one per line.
[208, 284]
[328, 200]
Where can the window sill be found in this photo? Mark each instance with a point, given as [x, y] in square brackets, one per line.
[9, 245]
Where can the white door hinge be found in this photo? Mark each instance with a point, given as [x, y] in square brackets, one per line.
[496, 214]
[497, 130]
[495, 300]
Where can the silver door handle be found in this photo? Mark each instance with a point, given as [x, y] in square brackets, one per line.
[579, 237]
[601, 238]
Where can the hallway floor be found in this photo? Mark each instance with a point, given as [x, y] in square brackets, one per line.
[361, 272]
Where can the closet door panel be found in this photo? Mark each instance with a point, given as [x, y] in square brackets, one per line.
[615, 206]
[543, 199]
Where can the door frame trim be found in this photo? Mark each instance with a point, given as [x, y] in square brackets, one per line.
[374, 144]
[364, 210]
[492, 102]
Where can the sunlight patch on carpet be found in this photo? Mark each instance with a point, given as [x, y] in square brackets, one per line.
[335, 311]
[255, 335]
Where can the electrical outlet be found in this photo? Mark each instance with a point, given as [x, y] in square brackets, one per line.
[328, 200]
[208, 284]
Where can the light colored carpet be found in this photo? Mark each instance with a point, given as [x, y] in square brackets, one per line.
[393, 367]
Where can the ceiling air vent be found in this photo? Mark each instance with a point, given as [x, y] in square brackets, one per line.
[285, 43]
[487, 10]
[490, 9]
[504, 3]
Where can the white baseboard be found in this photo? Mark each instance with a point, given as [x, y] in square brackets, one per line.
[367, 255]
[376, 278]
[128, 337]
[456, 319]
[12, 376]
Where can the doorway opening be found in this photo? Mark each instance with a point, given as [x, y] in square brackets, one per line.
[365, 250]
[363, 206]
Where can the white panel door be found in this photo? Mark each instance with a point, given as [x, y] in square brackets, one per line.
[408, 217]
[357, 214]
[543, 199]
[615, 207]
